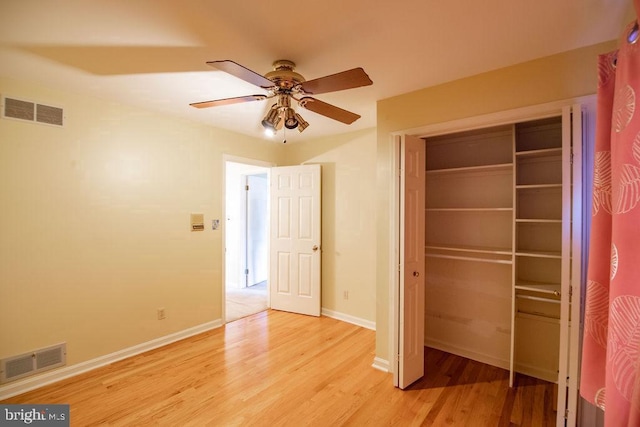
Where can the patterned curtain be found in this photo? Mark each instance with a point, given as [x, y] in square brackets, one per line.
[611, 343]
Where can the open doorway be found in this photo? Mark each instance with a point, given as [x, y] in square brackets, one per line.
[246, 238]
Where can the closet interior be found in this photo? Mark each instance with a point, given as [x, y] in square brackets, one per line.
[497, 244]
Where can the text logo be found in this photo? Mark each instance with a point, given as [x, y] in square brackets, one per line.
[36, 415]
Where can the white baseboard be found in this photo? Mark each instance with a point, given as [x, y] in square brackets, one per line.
[349, 319]
[469, 354]
[32, 383]
[381, 365]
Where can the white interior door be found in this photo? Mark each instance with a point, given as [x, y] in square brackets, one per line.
[294, 274]
[412, 231]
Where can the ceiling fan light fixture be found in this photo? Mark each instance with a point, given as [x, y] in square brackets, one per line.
[290, 119]
[302, 123]
[272, 119]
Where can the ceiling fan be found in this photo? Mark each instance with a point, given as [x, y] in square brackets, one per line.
[284, 84]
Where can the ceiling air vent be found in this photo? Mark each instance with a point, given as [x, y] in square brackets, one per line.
[32, 112]
[24, 365]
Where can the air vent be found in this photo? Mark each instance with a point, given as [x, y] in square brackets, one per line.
[17, 109]
[32, 112]
[32, 363]
[49, 115]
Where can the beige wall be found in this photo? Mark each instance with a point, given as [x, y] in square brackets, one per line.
[94, 227]
[348, 218]
[557, 77]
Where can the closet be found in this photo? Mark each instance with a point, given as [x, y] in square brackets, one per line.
[503, 246]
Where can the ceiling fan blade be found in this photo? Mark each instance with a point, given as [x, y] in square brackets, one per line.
[241, 72]
[228, 101]
[328, 110]
[340, 81]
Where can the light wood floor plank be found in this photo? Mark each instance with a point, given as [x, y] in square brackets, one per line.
[281, 369]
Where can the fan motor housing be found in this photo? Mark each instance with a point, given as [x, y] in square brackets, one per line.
[283, 75]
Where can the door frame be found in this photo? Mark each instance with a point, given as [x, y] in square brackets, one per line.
[223, 229]
[477, 122]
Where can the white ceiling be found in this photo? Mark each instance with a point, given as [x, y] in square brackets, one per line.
[152, 53]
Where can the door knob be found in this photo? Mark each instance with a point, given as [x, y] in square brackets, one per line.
[315, 248]
[416, 274]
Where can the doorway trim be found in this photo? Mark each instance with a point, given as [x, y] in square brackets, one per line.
[236, 159]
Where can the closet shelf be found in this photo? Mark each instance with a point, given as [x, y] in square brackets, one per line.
[546, 152]
[468, 209]
[481, 168]
[470, 249]
[539, 254]
[470, 258]
[536, 186]
[539, 221]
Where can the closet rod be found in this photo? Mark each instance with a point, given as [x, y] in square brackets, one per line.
[466, 258]
[532, 298]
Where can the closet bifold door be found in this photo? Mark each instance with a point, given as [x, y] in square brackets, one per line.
[573, 262]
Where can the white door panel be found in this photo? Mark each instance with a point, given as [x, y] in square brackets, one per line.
[295, 239]
[412, 202]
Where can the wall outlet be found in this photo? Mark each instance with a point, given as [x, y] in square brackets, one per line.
[345, 295]
[161, 314]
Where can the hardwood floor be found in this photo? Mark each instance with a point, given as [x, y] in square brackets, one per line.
[277, 369]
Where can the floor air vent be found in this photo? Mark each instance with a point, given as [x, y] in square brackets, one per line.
[32, 112]
[24, 365]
